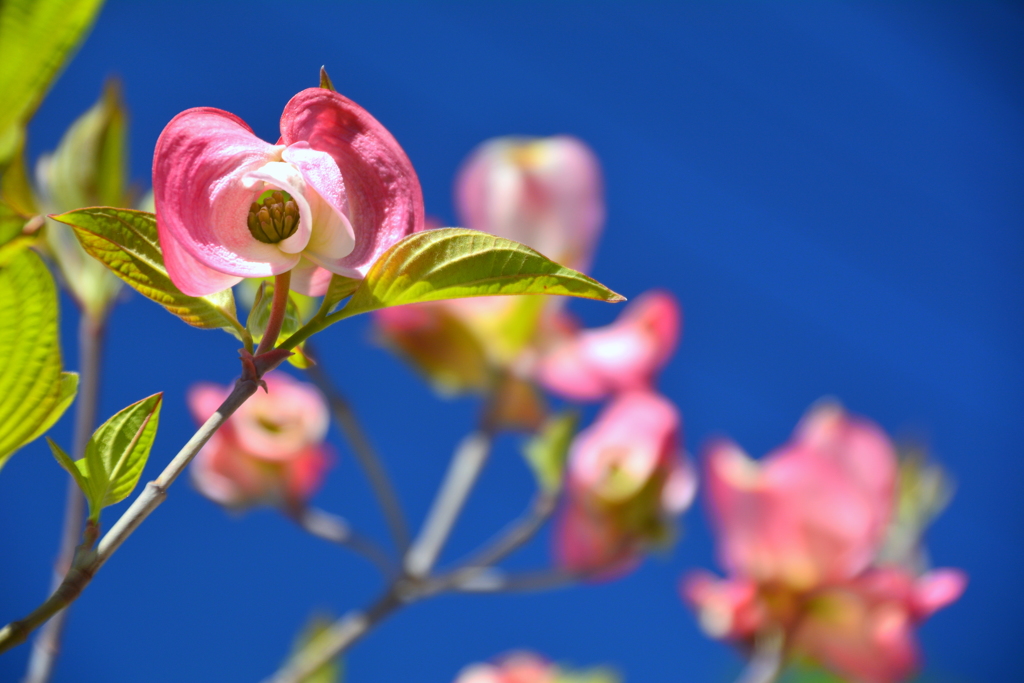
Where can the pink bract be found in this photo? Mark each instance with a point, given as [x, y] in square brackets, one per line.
[519, 667]
[356, 191]
[592, 364]
[544, 192]
[270, 451]
[864, 629]
[815, 510]
[627, 480]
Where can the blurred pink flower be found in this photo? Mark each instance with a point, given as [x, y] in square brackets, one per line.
[589, 365]
[627, 480]
[544, 192]
[518, 667]
[864, 629]
[814, 510]
[333, 194]
[800, 533]
[270, 451]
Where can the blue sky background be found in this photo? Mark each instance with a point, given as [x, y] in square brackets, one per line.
[833, 190]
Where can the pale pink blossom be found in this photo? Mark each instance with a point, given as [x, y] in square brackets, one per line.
[861, 628]
[814, 510]
[627, 480]
[346, 192]
[864, 629]
[589, 365]
[800, 533]
[544, 192]
[518, 667]
[271, 451]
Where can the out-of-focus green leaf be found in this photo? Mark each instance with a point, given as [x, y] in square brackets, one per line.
[88, 168]
[452, 263]
[126, 242]
[548, 450]
[67, 390]
[441, 347]
[117, 452]
[332, 671]
[36, 36]
[32, 387]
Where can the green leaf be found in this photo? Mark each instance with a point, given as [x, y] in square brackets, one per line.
[75, 469]
[126, 242]
[36, 36]
[89, 168]
[31, 384]
[332, 671]
[548, 450]
[452, 263]
[117, 452]
[67, 390]
[339, 288]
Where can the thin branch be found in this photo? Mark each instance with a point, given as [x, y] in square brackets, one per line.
[766, 660]
[46, 646]
[463, 471]
[336, 639]
[518, 533]
[365, 454]
[337, 530]
[491, 580]
[87, 561]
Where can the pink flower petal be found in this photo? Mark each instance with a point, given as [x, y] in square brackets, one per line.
[333, 238]
[310, 279]
[937, 589]
[202, 205]
[545, 192]
[624, 355]
[385, 202]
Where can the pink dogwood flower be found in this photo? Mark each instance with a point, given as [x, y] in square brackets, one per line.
[814, 510]
[330, 197]
[589, 365]
[800, 533]
[627, 480]
[518, 667]
[271, 451]
[862, 628]
[544, 192]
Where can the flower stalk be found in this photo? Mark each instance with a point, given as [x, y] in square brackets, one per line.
[46, 646]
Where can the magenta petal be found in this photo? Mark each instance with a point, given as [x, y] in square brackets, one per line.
[201, 204]
[385, 202]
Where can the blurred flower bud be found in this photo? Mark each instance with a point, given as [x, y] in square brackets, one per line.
[544, 192]
[518, 667]
[628, 479]
[270, 451]
[525, 667]
[89, 168]
[591, 364]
